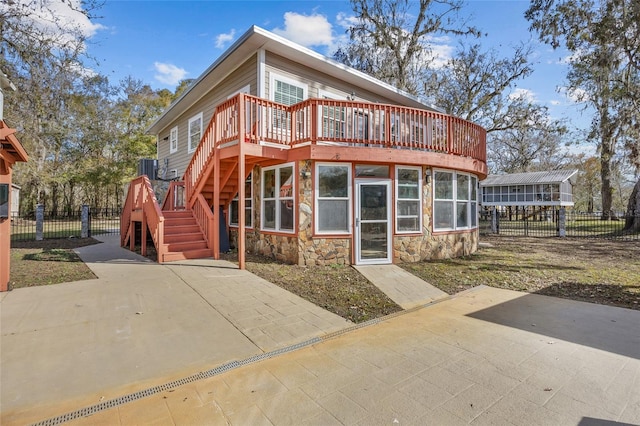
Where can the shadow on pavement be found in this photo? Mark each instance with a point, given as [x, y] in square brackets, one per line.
[602, 327]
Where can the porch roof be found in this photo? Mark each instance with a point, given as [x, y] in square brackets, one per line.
[531, 178]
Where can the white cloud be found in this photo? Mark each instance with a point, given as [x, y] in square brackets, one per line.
[555, 102]
[63, 20]
[222, 40]
[441, 51]
[346, 21]
[523, 94]
[169, 73]
[307, 30]
[574, 95]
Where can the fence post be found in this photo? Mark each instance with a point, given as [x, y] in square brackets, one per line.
[495, 225]
[84, 217]
[39, 222]
[562, 216]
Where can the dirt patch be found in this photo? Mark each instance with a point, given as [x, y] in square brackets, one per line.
[338, 288]
[46, 262]
[597, 271]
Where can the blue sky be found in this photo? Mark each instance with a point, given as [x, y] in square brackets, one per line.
[161, 42]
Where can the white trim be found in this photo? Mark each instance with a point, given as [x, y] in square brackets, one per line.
[277, 198]
[192, 119]
[261, 73]
[398, 199]
[173, 149]
[246, 89]
[273, 76]
[470, 202]
[348, 198]
[357, 233]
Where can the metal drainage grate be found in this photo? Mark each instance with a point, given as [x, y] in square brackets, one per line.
[105, 405]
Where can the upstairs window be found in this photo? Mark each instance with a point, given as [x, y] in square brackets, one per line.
[173, 140]
[195, 132]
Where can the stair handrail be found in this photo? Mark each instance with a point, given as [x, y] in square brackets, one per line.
[142, 198]
[204, 218]
[170, 198]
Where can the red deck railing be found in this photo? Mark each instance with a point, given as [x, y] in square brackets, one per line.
[326, 121]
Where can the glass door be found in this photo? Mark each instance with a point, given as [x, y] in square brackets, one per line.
[373, 221]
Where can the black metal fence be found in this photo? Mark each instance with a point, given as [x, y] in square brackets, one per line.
[536, 222]
[85, 222]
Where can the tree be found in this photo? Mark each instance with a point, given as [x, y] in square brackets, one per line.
[42, 46]
[478, 86]
[604, 67]
[392, 39]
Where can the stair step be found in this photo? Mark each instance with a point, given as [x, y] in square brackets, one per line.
[181, 229]
[187, 245]
[189, 254]
[183, 237]
[170, 214]
[180, 221]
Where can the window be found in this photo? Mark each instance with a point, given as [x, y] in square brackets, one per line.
[288, 92]
[277, 198]
[333, 206]
[455, 203]
[408, 199]
[195, 132]
[173, 140]
[248, 205]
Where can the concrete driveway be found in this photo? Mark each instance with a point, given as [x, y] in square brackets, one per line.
[140, 321]
[128, 349]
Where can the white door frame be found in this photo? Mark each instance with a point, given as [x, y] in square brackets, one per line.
[359, 222]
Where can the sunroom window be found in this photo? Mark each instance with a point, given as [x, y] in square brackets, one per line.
[408, 199]
[278, 189]
[333, 191]
[248, 206]
[454, 201]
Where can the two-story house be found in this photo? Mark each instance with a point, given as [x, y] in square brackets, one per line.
[308, 161]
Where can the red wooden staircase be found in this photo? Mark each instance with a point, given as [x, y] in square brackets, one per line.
[183, 238]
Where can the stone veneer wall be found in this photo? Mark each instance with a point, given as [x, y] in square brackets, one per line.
[307, 250]
[316, 251]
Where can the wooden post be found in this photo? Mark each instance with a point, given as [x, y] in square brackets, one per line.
[216, 192]
[241, 191]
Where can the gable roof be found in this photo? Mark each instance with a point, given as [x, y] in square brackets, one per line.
[553, 176]
[257, 38]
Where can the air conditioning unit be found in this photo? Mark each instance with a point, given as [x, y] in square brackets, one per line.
[149, 167]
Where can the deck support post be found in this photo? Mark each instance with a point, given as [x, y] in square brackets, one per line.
[241, 186]
[216, 202]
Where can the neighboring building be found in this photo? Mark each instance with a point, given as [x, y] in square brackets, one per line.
[322, 164]
[535, 189]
